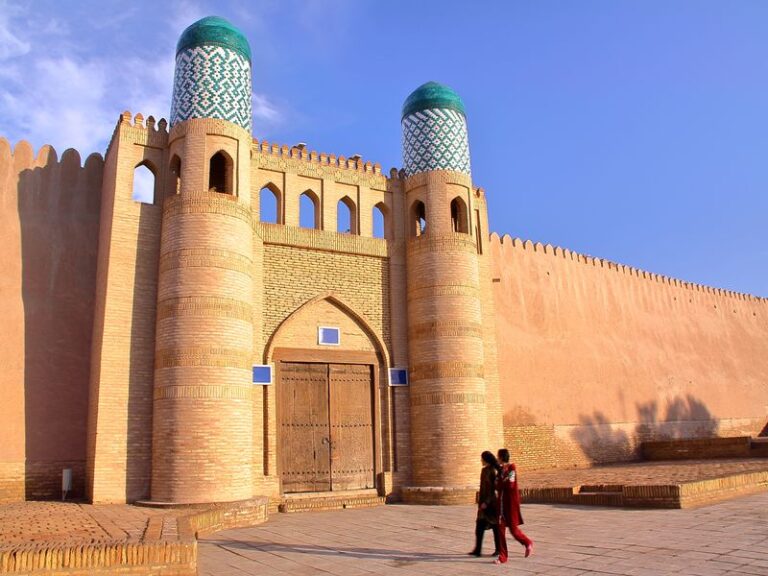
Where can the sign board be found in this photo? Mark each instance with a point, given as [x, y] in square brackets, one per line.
[262, 374]
[398, 377]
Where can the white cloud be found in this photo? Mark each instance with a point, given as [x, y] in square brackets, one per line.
[11, 45]
[265, 110]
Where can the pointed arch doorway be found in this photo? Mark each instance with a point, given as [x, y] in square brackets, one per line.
[328, 417]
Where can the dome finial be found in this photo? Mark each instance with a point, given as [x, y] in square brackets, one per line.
[217, 31]
[433, 95]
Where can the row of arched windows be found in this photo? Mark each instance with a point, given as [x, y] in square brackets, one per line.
[221, 178]
[271, 211]
[221, 169]
[459, 217]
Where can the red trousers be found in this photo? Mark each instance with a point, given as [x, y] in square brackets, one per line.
[517, 534]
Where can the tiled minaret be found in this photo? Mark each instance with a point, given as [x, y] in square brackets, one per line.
[203, 412]
[449, 425]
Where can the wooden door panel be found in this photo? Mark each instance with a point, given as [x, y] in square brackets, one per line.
[351, 419]
[304, 427]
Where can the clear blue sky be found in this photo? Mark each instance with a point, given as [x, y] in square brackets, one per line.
[632, 131]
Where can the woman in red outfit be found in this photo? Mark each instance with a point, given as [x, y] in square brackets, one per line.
[511, 517]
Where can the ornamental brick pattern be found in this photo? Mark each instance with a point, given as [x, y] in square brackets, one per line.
[212, 82]
[435, 139]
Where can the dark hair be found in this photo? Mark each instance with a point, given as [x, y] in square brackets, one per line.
[504, 455]
[489, 458]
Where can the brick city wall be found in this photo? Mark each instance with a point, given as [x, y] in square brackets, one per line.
[596, 357]
[49, 220]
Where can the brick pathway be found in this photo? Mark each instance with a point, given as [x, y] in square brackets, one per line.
[726, 538]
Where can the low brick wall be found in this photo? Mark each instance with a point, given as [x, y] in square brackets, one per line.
[697, 449]
[438, 495]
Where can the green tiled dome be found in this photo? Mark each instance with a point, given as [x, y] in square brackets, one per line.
[216, 31]
[433, 95]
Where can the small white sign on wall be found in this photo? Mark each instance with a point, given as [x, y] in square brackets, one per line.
[328, 336]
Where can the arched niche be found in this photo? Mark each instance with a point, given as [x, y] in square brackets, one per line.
[270, 204]
[221, 173]
[144, 183]
[459, 216]
[309, 210]
[346, 216]
[418, 218]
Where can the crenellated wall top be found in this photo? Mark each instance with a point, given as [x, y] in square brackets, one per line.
[140, 131]
[508, 245]
[23, 157]
[353, 170]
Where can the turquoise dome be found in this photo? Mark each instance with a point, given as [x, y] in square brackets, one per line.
[433, 95]
[216, 31]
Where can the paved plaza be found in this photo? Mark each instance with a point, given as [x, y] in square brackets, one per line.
[726, 538]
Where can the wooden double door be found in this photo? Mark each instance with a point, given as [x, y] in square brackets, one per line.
[325, 423]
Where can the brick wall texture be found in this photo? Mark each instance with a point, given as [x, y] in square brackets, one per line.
[132, 327]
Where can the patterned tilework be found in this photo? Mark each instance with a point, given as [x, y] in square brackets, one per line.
[435, 139]
[212, 82]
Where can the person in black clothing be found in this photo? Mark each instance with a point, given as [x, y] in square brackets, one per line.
[487, 504]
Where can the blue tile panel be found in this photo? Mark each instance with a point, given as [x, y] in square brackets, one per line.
[212, 82]
[435, 139]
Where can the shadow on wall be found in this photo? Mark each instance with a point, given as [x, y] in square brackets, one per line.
[603, 441]
[58, 207]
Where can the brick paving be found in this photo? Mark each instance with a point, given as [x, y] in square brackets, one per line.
[68, 523]
[725, 538]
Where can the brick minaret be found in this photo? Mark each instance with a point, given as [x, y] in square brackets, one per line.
[449, 421]
[203, 414]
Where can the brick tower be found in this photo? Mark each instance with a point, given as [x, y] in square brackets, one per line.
[449, 420]
[203, 412]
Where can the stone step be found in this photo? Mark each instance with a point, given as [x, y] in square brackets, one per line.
[328, 501]
[599, 498]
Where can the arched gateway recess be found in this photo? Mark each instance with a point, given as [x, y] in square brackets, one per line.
[328, 400]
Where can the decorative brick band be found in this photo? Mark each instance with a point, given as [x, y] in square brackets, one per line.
[206, 307]
[207, 203]
[456, 242]
[446, 328]
[445, 290]
[203, 356]
[322, 240]
[438, 398]
[437, 370]
[206, 258]
[203, 391]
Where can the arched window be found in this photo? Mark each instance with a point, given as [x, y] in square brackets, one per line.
[270, 204]
[381, 222]
[144, 184]
[459, 216]
[346, 216]
[309, 215]
[418, 218]
[220, 173]
[174, 175]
